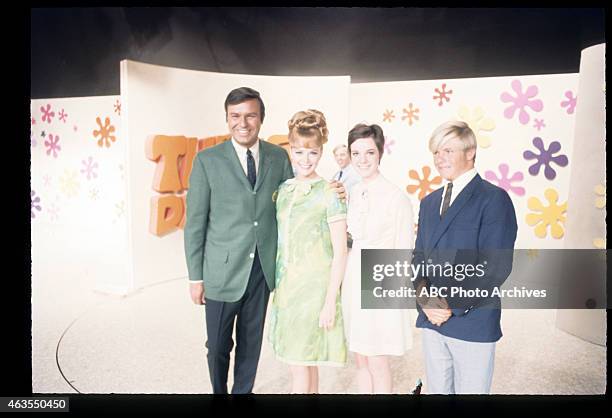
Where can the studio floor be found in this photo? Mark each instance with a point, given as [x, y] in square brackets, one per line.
[152, 341]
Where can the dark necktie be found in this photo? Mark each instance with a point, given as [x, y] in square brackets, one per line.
[251, 168]
[340, 175]
[447, 199]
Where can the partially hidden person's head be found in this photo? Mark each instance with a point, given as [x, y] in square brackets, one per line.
[307, 134]
[341, 155]
[366, 144]
[244, 113]
[453, 145]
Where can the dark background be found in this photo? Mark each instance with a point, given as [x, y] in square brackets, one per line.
[76, 51]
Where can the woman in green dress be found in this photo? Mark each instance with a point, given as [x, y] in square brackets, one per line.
[306, 327]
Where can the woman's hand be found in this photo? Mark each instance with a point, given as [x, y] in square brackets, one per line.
[327, 316]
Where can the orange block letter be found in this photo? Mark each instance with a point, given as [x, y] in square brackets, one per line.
[165, 150]
[166, 214]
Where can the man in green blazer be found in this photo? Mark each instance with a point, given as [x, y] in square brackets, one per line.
[231, 236]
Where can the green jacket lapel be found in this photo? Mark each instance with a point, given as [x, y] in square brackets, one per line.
[234, 162]
[264, 164]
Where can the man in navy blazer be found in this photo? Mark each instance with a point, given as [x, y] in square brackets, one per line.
[471, 216]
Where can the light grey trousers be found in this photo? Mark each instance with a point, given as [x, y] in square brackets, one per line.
[454, 366]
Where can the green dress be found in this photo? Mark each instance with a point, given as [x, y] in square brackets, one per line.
[303, 267]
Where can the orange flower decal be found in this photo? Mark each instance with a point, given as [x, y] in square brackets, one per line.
[424, 183]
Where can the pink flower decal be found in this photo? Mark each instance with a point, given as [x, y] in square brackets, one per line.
[443, 94]
[570, 103]
[504, 181]
[521, 101]
[48, 114]
[539, 124]
[52, 145]
[63, 115]
[388, 145]
[89, 168]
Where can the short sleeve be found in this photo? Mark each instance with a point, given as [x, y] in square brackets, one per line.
[335, 208]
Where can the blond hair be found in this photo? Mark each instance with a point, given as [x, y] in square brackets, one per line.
[450, 130]
[308, 128]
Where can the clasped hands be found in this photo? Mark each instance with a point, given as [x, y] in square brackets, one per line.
[435, 309]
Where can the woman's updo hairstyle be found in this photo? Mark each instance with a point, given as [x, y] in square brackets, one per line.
[308, 129]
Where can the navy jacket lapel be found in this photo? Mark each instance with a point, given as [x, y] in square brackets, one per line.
[433, 215]
[453, 210]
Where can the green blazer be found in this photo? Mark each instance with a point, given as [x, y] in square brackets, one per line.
[227, 218]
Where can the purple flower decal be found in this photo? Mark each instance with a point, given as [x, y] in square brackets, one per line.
[34, 201]
[504, 181]
[545, 158]
[570, 103]
[521, 101]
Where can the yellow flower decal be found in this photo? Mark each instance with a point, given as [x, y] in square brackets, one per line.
[600, 200]
[69, 183]
[477, 122]
[552, 215]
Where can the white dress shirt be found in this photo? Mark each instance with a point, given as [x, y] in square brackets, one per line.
[241, 151]
[349, 177]
[458, 185]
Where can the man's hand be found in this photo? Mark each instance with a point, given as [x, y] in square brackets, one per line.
[196, 290]
[436, 310]
[338, 187]
[437, 316]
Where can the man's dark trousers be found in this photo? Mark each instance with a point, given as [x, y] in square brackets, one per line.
[250, 312]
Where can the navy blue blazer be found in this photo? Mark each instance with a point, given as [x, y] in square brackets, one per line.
[481, 218]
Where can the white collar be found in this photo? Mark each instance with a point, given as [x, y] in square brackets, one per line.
[460, 182]
[241, 149]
